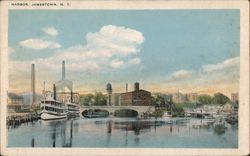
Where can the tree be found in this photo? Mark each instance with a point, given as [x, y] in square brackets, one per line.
[178, 111]
[220, 98]
[100, 99]
[205, 99]
[86, 99]
[158, 101]
[93, 99]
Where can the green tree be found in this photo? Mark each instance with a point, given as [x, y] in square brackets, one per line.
[86, 99]
[205, 99]
[158, 101]
[178, 111]
[220, 98]
[100, 99]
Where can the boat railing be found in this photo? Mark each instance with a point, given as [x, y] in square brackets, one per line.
[53, 106]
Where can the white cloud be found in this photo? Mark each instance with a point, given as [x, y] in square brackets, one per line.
[222, 73]
[107, 48]
[134, 61]
[39, 44]
[116, 63]
[110, 48]
[55, 46]
[115, 40]
[50, 31]
[181, 74]
[34, 43]
[229, 63]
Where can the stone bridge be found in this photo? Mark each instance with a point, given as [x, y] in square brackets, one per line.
[112, 109]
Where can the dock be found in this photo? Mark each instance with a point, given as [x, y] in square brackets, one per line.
[199, 114]
[15, 119]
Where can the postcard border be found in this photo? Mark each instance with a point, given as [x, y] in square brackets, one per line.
[185, 4]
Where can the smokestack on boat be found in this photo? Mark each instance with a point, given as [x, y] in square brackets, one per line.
[33, 84]
[63, 70]
[54, 90]
[71, 96]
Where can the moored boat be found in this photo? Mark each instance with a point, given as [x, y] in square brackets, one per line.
[51, 109]
[167, 115]
[73, 109]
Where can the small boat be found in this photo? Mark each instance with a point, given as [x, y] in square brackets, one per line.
[167, 115]
[73, 110]
[209, 118]
[232, 119]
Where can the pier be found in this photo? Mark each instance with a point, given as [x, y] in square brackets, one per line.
[15, 119]
[199, 114]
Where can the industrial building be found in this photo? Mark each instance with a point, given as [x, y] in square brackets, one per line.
[15, 103]
[138, 97]
[64, 89]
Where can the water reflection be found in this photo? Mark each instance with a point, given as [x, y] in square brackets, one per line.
[112, 132]
[60, 130]
[220, 129]
[136, 126]
[33, 142]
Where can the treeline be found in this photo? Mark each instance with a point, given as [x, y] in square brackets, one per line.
[97, 99]
[162, 105]
[217, 98]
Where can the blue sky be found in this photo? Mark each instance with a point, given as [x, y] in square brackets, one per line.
[166, 48]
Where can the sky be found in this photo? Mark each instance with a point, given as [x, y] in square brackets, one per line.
[164, 50]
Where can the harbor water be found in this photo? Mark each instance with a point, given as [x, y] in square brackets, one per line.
[125, 133]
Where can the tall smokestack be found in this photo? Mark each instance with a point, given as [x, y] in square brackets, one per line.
[136, 86]
[33, 83]
[63, 70]
[126, 87]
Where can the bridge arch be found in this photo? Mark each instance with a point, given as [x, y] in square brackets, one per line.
[92, 113]
[111, 109]
[126, 112]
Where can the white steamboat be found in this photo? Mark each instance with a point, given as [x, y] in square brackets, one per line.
[51, 109]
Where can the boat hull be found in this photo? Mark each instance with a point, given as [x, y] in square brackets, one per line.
[50, 116]
[73, 114]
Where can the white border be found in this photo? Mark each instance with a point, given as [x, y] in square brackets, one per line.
[183, 4]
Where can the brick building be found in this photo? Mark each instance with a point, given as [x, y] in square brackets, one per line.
[138, 97]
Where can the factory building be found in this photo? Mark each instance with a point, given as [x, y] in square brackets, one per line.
[15, 102]
[138, 97]
[64, 89]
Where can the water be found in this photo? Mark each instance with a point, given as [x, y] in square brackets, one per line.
[124, 132]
